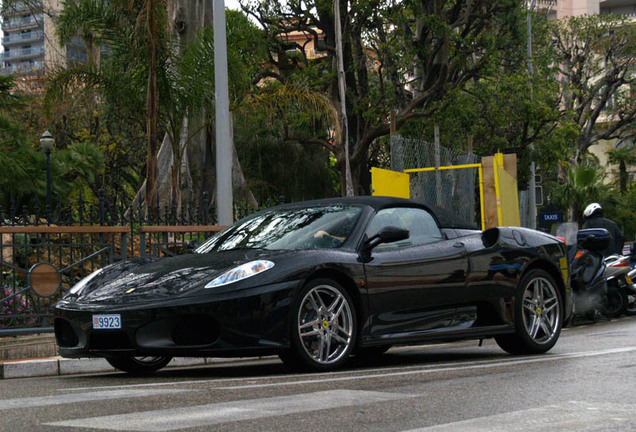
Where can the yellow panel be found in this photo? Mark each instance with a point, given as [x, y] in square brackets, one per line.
[509, 198]
[490, 201]
[390, 183]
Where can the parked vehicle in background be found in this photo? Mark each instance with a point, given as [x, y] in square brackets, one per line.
[618, 284]
[587, 277]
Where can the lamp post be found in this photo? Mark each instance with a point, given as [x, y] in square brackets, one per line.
[47, 142]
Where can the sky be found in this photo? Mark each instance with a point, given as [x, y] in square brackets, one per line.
[232, 4]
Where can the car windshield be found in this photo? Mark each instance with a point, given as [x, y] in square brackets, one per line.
[301, 228]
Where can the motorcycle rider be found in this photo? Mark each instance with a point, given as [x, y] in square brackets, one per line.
[594, 219]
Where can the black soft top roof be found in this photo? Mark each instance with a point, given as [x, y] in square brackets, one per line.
[444, 217]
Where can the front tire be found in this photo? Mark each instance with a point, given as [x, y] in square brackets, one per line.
[138, 365]
[323, 327]
[538, 315]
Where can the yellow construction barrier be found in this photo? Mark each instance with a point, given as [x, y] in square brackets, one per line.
[390, 183]
[497, 191]
[501, 199]
[507, 195]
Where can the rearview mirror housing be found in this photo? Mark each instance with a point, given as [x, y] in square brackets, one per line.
[389, 234]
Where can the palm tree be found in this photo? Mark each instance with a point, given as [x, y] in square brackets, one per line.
[136, 33]
[583, 185]
[623, 156]
[182, 90]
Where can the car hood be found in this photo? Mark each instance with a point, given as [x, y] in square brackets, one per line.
[154, 279]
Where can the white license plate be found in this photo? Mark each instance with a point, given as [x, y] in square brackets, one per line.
[112, 321]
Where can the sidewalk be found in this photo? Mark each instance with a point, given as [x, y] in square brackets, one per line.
[36, 356]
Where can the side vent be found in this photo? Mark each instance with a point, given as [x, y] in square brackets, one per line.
[490, 237]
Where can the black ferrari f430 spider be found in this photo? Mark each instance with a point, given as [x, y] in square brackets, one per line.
[316, 282]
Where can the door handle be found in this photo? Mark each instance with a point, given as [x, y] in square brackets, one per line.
[459, 245]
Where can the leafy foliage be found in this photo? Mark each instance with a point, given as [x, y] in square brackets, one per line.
[401, 57]
[583, 185]
[14, 308]
[20, 165]
[596, 55]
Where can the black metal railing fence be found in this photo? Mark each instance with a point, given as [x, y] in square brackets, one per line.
[44, 252]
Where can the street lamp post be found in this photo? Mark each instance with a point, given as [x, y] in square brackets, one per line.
[47, 142]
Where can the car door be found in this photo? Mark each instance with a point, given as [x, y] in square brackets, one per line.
[413, 285]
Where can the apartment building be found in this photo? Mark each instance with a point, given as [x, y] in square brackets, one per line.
[557, 9]
[29, 41]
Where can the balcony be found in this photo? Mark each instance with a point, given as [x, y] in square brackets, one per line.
[625, 8]
[22, 69]
[23, 38]
[21, 8]
[546, 4]
[616, 3]
[22, 54]
[21, 23]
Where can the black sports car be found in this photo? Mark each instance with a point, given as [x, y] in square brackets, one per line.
[318, 281]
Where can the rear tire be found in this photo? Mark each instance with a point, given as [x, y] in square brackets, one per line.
[617, 301]
[138, 365]
[538, 315]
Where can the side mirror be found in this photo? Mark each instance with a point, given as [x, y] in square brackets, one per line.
[389, 234]
[595, 239]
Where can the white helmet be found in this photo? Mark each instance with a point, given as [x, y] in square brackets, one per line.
[592, 209]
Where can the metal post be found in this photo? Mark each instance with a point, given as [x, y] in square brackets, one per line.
[47, 142]
[532, 198]
[438, 174]
[222, 108]
[47, 152]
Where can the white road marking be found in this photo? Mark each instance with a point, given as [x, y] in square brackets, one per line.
[40, 401]
[564, 417]
[211, 414]
[373, 373]
[444, 368]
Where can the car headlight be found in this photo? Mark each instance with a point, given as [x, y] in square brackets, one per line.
[241, 272]
[81, 284]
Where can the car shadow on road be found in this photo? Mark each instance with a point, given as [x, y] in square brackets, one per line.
[271, 367]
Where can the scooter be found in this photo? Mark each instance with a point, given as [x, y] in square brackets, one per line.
[618, 284]
[587, 269]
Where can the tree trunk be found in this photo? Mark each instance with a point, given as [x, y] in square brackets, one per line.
[198, 173]
[151, 124]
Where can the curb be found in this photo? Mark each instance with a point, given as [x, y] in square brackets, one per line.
[54, 366]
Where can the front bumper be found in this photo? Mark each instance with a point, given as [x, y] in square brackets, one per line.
[255, 322]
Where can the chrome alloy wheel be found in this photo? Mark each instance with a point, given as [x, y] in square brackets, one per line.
[541, 311]
[138, 365]
[325, 324]
[148, 360]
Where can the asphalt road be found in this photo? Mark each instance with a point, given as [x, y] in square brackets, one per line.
[586, 383]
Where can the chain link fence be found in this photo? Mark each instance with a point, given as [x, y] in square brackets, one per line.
[453, 190]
